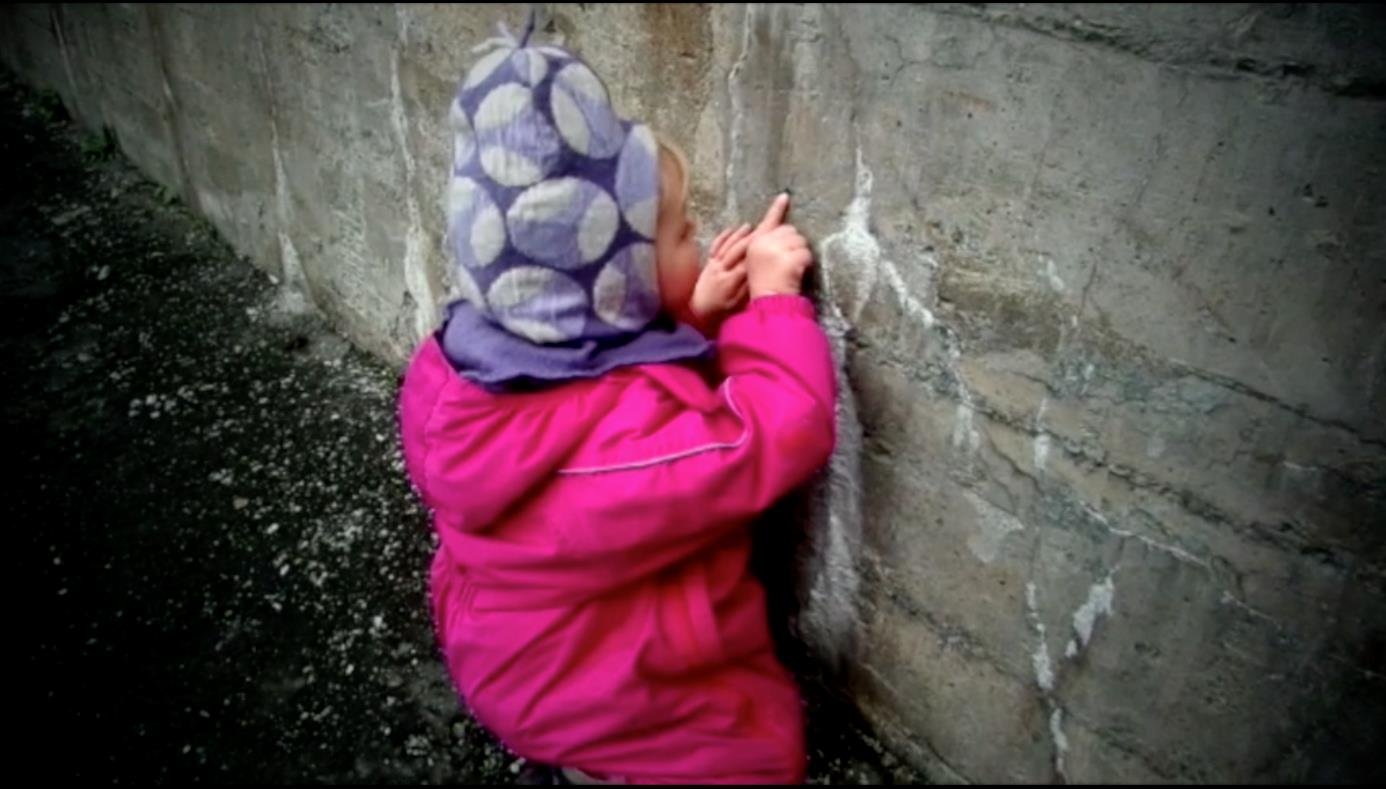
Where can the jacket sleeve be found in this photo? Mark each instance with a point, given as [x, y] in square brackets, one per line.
[779, 385]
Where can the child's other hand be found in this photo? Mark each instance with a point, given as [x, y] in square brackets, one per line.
[777, 256]
[721, 287]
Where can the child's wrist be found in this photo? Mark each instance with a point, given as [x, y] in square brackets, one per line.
[783, 290]
[704, 319]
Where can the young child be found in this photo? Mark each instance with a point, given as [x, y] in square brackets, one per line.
[591, 488]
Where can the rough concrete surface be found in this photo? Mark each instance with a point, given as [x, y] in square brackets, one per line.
[1106, 284]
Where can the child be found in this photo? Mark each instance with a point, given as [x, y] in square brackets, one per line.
[591, 490]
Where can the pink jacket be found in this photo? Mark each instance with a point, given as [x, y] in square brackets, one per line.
[591, 591]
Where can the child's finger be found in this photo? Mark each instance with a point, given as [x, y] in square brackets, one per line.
[740, 233]
[717, 243]
[732, 238]
[775, 215]
[735, 252]
[785, 232]
[729, 236]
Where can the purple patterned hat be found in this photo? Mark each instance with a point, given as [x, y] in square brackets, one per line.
[551, 212]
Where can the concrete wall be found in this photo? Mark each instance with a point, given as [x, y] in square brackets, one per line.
[1107, 285]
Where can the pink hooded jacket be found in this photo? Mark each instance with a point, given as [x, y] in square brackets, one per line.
[591, 591]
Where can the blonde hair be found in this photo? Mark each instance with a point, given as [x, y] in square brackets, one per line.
[671, 149]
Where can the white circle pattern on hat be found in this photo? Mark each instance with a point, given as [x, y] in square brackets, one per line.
[637, 181]
[626, 292]
[539, 304]
[518, 146]
[582, 111]
[564, 222]
[474, 224]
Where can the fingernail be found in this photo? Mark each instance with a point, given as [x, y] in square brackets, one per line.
[788, 192]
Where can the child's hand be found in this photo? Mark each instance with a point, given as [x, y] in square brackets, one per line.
[777, 256]
[721, 286]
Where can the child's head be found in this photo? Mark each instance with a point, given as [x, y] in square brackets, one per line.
[556, 213]
[568, 225]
